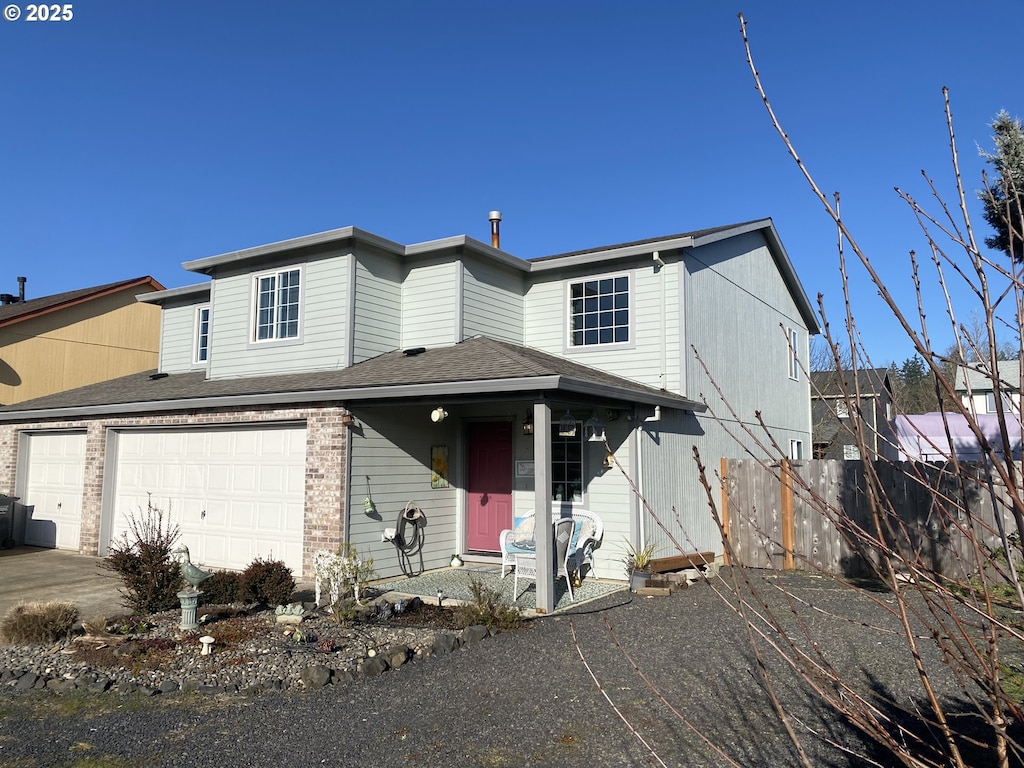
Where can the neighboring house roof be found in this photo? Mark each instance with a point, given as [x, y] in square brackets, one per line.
[923, 437]
[968, 379]
[477, 366]
[31, 308]
[872, 381]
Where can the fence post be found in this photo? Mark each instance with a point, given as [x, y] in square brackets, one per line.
[725, 510]
[788, 521]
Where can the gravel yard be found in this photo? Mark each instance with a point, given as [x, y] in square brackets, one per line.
[566, 691]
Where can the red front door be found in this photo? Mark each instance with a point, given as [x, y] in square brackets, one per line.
[489, 484]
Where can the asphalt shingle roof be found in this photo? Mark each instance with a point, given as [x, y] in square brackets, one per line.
[10, 313]
[480, 359]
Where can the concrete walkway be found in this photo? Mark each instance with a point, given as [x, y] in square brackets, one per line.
[34, 574]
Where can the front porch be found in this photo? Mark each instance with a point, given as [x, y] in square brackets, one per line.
[454, 584]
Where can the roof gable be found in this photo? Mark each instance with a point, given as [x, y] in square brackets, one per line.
[22, 311]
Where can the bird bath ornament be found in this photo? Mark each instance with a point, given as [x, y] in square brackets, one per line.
[189, 598]
[207, 642]
[190, 573]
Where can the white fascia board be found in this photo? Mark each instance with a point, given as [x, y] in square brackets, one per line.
[591, 257]
[204, 265]
[184, 292]
[468, 244]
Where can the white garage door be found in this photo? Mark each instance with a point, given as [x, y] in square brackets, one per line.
[54, 478]
[236, 494]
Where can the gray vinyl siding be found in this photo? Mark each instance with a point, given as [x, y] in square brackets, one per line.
[378, 305]
[652, 355]
[671, 480]
[177, 326]
[323, 319]
[492, 301]
[431, 304]
[738, 310]
[391, 464]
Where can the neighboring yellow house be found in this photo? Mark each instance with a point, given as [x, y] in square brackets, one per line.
[68, 340]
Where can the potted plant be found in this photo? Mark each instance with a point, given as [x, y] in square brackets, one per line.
[638, 563]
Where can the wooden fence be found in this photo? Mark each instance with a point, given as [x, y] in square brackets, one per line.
[800, 514]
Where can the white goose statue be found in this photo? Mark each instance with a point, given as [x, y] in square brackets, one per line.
[191, 573]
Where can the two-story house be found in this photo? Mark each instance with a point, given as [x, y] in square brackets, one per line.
[978, 390]
[842, 403]
[311, 388]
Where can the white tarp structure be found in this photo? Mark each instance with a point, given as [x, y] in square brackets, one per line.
[924, 437]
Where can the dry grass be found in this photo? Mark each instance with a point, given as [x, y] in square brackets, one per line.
[31, 623]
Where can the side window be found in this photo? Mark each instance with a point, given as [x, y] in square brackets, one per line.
[201, 335]
[794, 358]
[276, 305]
[599, 311]
[796, 450]
[567, 465]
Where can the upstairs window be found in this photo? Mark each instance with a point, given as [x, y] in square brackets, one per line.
[276, 303]
[201, 338]
[599, 311]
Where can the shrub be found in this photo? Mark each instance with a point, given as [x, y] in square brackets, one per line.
[222, 588]
[266, 581]
[28, 623]
[487, 608]
[142, 558]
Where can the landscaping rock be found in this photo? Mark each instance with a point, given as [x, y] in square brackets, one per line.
[316, 676]
[474, 633]
[396, 655]
[373, 666]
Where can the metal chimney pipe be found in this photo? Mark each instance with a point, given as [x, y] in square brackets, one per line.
[21, 288]
[495, 218]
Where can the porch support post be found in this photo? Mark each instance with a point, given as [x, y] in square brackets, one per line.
[542, 507]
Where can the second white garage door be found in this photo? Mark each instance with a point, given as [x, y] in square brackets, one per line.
[237, 494]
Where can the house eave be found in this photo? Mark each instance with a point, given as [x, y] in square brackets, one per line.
[208, 264]
[552, 383]
[609, 254]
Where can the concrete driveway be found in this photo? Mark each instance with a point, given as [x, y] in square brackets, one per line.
[31, 574]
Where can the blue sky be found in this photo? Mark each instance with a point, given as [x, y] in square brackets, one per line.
[137, 136]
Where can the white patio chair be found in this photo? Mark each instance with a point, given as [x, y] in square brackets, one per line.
[524, 561]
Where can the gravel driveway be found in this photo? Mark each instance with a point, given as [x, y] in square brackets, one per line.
[522, 698]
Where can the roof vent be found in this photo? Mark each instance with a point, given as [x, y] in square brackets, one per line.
[413, 351]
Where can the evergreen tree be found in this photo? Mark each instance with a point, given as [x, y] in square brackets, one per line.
[1002, 198]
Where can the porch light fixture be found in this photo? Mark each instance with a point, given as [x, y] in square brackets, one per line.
[609, 461]
[594, 429]
[528, 424]
[348, 420]
[567, 425]
[438, 415]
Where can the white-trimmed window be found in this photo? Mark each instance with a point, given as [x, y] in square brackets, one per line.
[567, 465]
[201, 335]
[794, 358]
[599, 311]
[276, 305]
[796, 450]
[1008, 403]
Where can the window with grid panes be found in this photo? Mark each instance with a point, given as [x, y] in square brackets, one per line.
[599, 311]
